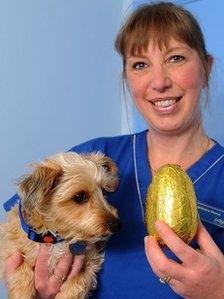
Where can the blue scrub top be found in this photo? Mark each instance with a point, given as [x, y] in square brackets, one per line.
[126, 272]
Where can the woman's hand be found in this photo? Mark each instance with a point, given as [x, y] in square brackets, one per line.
[201, 274]
[48, 285]
[13, 262]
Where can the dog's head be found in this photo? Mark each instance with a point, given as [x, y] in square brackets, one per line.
[65, 194]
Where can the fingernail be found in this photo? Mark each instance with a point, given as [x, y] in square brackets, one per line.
[146, 239]
[17, 255]
[43, 247]
[17, 252]
[158, 225]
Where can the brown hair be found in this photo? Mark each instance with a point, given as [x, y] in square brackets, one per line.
[158, 22]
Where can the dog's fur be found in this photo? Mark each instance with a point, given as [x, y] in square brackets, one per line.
[64, 194]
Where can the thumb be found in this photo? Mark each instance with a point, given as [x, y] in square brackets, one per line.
[13, 262]
[206, 243]
[77, 265]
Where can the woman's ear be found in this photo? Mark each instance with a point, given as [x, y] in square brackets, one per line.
[209, 64]
[208, 68]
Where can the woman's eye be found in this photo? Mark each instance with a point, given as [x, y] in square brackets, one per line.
[81, 197]
[139, 65]
[176, 58]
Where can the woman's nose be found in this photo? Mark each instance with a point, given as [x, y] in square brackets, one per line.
[160, 79]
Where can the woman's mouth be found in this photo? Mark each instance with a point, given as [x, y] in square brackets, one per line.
[167, 102]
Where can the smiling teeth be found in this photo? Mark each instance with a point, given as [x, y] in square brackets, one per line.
[164, 104]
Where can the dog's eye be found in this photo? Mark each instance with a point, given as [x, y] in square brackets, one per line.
[81, 197]
[106, 167]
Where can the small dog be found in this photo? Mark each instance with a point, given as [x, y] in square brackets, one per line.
[61, 202]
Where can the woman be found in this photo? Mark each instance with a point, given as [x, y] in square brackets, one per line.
[166, 68]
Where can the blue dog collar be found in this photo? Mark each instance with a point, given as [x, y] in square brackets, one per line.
[76, 248]
[47, 237]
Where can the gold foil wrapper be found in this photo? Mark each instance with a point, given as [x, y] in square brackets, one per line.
[171, 198]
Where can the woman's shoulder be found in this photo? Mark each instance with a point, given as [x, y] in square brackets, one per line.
[217, 153]
[209, 164]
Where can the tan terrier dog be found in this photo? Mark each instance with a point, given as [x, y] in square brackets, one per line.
[62, 203]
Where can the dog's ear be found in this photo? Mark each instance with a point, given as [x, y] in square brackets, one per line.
[37, 187]
[111, 179]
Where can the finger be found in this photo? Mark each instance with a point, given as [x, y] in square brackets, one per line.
[206, 243]
[173, 283]
[41, 267]
[154, 267]
[178, 287]
[164, 266]
[159, 274]
[77, 265]
[13, 262]
[184, 252]
[62, 269]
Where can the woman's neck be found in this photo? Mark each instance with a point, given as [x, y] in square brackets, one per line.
[184, 149]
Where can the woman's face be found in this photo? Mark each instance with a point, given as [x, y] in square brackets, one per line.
[166, 85]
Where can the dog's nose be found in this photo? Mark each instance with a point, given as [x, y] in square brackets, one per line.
[114, 225]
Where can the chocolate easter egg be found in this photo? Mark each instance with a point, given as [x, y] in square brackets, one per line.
[171, 198]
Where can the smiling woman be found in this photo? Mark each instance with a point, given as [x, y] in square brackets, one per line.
[166, 67]
[165, 94]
